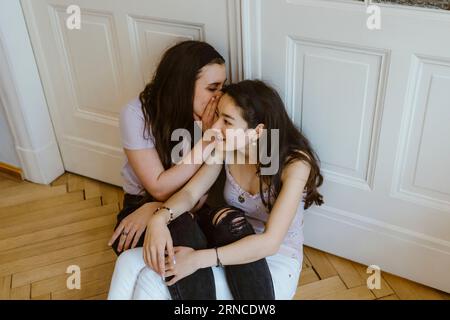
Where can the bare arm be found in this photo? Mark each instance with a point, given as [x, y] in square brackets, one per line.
[161, 183]
[158, 237]
[189, 195]
[258, 246]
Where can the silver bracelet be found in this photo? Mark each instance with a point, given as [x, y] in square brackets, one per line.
[168, 209]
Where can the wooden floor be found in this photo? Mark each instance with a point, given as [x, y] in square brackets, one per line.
[46, 229]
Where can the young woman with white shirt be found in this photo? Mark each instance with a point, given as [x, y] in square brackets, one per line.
[261, 227]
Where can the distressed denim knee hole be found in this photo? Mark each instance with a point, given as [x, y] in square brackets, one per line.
[219, 216]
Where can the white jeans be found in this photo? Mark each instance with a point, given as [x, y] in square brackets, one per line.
[133, 280]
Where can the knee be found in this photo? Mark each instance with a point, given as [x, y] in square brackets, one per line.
[233, 218]
[150, 286]
[127, 268]
[230, 224]
[130, 261]
[185, 231]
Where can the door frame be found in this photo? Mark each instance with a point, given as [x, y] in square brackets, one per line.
[24, 100]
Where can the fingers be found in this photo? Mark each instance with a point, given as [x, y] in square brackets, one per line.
[170, 252]
[137, 237]
[145, 254]
[210, 112]
[161, 260]
[169, 266]
[129, 238]
[148, 257]
[121, 243]
[116, 233]
[123, 238]
[210, 109]
[153, 259]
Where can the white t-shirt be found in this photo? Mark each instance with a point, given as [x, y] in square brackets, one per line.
[132, 132]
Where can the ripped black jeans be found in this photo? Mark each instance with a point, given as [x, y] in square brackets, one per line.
[209, 228]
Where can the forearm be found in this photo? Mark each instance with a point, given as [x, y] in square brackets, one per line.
[246, 250]
[179, 203]
[186, 198]
[171, 180]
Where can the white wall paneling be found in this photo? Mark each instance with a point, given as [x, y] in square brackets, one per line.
[374, 104]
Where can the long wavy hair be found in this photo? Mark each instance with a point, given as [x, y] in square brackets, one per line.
[260, 103]
[168, 100]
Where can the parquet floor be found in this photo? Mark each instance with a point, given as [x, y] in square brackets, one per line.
[46, 229]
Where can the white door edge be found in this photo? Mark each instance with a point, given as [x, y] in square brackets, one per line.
[24, 100]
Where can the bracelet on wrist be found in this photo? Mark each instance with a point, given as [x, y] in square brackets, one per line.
[171, 217]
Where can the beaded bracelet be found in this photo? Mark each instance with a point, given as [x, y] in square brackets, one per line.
[168, 209]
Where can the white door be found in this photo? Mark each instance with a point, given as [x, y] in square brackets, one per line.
[89, 74]
[376, 107]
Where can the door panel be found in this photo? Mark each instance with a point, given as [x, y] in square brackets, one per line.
[375, 105]
[91, 73]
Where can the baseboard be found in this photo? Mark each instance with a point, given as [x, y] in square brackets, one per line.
[11, 171]
[395, 250]
[42, 165]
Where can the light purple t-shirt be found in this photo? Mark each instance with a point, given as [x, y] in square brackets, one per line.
[132, 132]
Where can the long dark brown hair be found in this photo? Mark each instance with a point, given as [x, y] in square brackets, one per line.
[260, 103]
[167, 101]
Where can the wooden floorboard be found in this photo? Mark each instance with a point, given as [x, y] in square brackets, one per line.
[41, 204]
[5, 287]
[320, 288]
[15, 195]
[320, 263]
[49, 271]
[46, 229]
[58, 283]
[21, 293]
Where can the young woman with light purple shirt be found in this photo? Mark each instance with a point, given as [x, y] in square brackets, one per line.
[187, 80]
